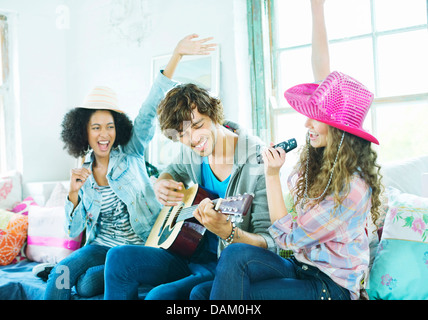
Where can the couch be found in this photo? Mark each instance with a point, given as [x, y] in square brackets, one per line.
[399, 267]
[40, 207]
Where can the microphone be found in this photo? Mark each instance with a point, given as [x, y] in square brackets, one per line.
[286, 145]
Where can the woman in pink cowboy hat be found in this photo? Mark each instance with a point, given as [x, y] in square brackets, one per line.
[335, 188]
[110, 196]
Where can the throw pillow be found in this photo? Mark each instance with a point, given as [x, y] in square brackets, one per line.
[400, 268]
[13, 232]
[58, 196]
[24, 206]
[47, 240]
[10, 190]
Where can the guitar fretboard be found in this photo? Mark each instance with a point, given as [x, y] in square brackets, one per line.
[184, 213]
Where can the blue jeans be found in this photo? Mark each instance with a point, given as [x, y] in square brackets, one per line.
[249, 272]
[84, 269]
[168, 276]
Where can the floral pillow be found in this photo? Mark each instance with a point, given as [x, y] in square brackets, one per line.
[24, 206]
[13, 232]
[10, 190]
[400, 268]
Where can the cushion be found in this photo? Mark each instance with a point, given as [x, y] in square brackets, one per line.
[400, 268]
[47, 240]
[58, 196]
[24, 206]
[405, 175]
[10, 190]
[13, 232]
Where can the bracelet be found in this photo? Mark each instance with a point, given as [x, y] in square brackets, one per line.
[230, 238]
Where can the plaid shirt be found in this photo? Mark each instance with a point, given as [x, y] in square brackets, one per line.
[334, 242]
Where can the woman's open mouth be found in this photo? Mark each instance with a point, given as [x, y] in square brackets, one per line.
[103, 145]
[313, 135]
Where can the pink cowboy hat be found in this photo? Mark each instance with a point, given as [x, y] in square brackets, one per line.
[339, 101]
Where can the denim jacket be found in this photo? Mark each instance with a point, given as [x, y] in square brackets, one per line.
[126, 175]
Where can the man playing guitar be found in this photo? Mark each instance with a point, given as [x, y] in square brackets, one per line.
[218, 155]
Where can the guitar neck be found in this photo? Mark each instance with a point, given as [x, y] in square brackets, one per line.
[187, 213]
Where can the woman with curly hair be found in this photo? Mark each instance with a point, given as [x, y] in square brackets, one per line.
[335, 188]
[111, 195]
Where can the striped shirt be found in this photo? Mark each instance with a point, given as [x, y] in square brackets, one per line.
[114, 226]
[333, 241]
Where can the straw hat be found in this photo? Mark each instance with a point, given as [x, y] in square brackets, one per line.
[339, 101]
[101, 98]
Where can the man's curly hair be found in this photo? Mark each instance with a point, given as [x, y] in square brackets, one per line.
[178, 105]
[74, 132]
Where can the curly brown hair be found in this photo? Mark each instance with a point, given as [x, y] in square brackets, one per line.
[74, 132]
[356, 155]
[179, 103]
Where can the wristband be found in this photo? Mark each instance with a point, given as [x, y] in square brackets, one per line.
[230, 238]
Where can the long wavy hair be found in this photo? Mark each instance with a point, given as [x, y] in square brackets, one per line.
[355, 156]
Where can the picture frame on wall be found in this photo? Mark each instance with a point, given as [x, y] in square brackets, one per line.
[202, 70]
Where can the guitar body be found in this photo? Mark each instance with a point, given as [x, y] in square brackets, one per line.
[181, 237]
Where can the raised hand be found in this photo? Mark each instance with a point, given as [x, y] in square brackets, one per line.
[189, 46]
[77, 180]
[273, 160]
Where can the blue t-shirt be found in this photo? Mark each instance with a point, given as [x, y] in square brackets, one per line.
[212, 184]
[210, 181]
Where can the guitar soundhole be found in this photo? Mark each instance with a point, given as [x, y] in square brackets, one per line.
[177, 213]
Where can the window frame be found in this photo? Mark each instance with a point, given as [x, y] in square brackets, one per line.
[275, 107]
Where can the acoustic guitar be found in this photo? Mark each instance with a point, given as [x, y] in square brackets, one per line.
[178, 231]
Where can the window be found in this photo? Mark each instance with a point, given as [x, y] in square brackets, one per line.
[8, 151]
[4, 72]
[382, 43]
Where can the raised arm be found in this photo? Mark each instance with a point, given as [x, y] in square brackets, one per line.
[144, 124]
[320, 51]
[188, 46]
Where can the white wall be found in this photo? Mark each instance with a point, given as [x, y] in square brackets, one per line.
[57, 67]
[41, 87]
[99, 53]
